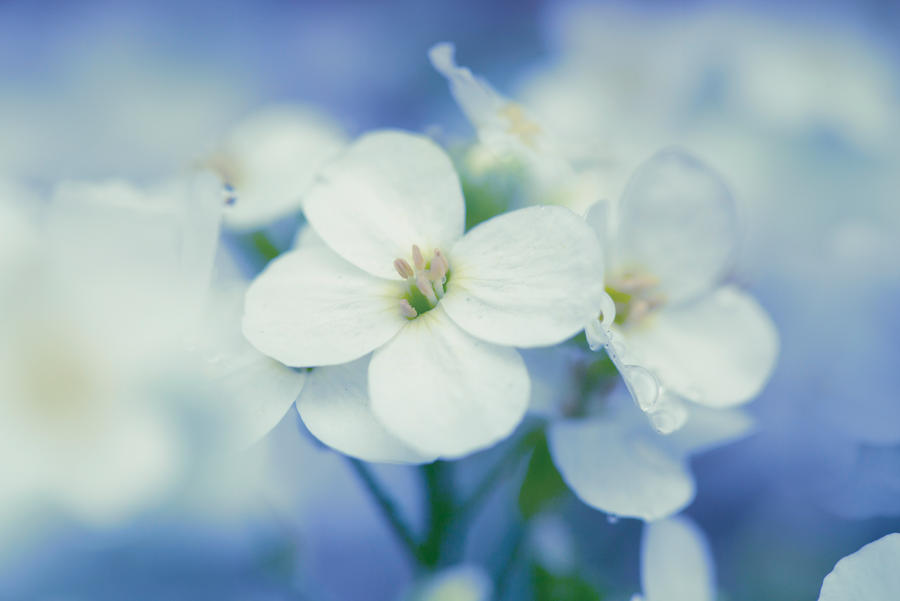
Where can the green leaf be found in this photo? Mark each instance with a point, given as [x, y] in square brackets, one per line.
[543, 486]
[562, 587]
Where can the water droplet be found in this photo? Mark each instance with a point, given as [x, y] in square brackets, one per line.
[612, 519]
[596, 335]
[643, 386]
[669, 417]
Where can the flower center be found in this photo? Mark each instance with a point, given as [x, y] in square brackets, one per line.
[520, 125]
[426, 281]
[634, 297]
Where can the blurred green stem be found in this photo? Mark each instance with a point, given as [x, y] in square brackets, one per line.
[390, 511]
[264, 246]
[440, 497]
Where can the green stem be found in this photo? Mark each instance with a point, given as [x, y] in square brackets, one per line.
[438, 480]
[508, 557]
[388, 508]
[515, 452]
[264, 246]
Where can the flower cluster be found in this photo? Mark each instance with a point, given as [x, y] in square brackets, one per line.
[422, 314]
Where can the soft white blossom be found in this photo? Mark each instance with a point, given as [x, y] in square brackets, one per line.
[438, 310]
[680, 332]
[270, 158]
[606, 450]
[676, 562]
[511, 138]
[870, 574]
[109, 390]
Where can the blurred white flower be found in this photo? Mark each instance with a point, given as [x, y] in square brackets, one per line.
[676, 563]
[871, 573]
[680, 333]
[607, 452]
[270, 159]
[105, 397]
[510, 137]
[441, 310]
[457, 583]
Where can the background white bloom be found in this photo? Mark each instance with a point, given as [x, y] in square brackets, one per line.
[270, 158]
[870, 574]
[670, 244]
[676, 562]
[439, 309]
[109, 396]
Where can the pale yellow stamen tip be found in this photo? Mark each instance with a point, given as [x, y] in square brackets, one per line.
[418, 259]
[407, 310]
[404, 268]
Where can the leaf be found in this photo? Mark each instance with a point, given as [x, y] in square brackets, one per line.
[561, 587]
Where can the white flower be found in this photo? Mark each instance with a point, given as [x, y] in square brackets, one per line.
[458, 583]
[100, 374]
[439, 309]
[269, 160]
[510, 136]
[670, 244]
[605, 449]
[870, 574]
[676, 563]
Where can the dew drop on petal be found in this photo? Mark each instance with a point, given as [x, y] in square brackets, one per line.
[669, 418]
[643, 386]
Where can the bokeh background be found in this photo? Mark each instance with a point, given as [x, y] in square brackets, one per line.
[797, 105]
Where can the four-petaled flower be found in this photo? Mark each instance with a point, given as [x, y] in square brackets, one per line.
[439, 310]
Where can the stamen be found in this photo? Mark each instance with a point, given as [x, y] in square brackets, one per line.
[425, 288]
[403, 268]
[407, 310]
[438, 288]
[418, 259]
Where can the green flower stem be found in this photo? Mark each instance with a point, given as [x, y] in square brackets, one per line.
[437, 478]
[388, 508]
[264, 246]
[507, 462]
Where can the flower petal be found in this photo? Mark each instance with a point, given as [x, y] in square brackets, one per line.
[444, 392]
[271, 158]
[310, 307]
[617, 464]
[708, 428]
[718, 351]
[871, 573]
[676, 562]
[259, 391]
[335, 407]
[677, 223]
[388, 191]
[526, 278]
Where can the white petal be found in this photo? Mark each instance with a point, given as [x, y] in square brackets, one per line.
[310, 307]
[480, 102]
[870, 574]
[335, 407]
[388, 191]
[259, 391]
[526, 278]
[617, 464]
[271, 158]
[444, 392]
[718, 351]
[676, 563]
[708, 428]
[677, 223]
[466, 582]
